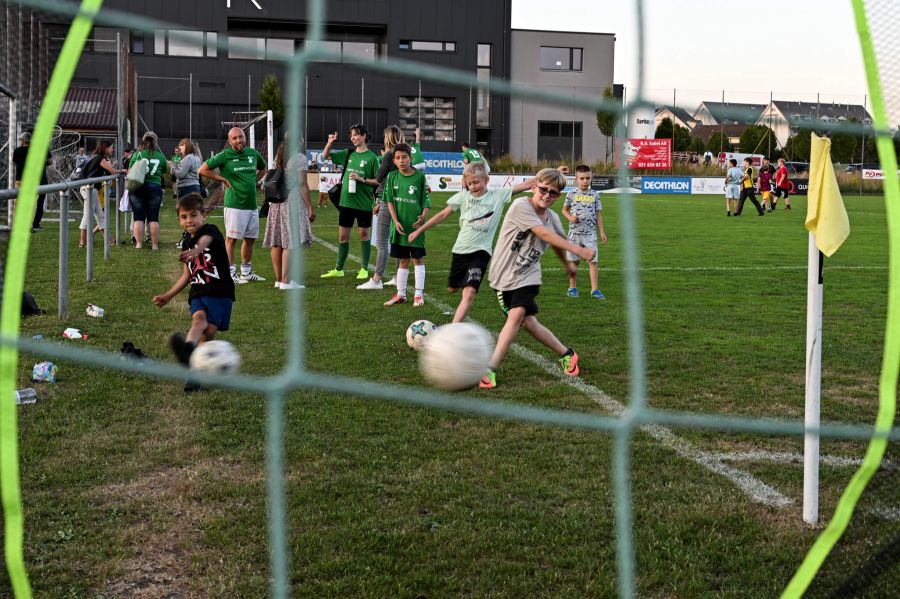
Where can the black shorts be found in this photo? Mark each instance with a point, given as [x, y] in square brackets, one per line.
[523, 297]
[467, 270]
[781, 192]
[347, 216]
[405, 251]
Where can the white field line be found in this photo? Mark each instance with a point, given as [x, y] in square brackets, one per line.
[779, 457]
[756, 489]
[886, 513]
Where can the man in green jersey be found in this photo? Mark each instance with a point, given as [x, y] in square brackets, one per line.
[358, 185]
[173, 165]
[240, 168]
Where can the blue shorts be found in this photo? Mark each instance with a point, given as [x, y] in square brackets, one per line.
[218, 310]
[183, 191]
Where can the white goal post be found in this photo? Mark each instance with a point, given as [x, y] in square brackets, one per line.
[249, 121]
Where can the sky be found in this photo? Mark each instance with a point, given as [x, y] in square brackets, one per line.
[698, 48]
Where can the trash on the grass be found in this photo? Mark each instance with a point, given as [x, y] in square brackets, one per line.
[44, 372]
[130, 351]
[38, 337]
[26, 396]
[71, 333]
[94, 311]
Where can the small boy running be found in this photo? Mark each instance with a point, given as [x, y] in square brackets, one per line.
[582, 210]
[206, 269]
[528, 229]
[480, 212]
[407, 199]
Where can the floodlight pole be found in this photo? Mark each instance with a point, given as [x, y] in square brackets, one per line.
[814, 285]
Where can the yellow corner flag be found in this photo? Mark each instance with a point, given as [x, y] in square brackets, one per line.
[826, 217]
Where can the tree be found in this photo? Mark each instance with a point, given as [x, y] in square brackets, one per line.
[756, 139]
[797, 146]
[718, 142]
[606, 120]
[697, 145]
[270, 99]
[681, 137]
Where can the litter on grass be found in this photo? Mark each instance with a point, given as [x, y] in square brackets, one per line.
[72, 333]
[94, 311]
[44, 372]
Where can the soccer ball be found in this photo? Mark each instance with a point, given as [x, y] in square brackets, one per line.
[456, 356]
[417, 332]
[219, 357]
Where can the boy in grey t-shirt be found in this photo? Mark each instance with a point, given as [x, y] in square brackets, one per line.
[480, 211]
[528, 229]
[582, 210]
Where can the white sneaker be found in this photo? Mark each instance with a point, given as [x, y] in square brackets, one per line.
[251, 276]
[238, 279]
[371, 284]
[278, 284]
[391, 283]
[292, 285]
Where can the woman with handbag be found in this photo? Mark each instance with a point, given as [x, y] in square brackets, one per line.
[283, 187]
[146, 200]
[98, 166]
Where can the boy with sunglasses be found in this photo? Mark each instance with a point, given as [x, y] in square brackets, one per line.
[515, 273]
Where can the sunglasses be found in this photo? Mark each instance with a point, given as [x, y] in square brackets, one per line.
[547, 191]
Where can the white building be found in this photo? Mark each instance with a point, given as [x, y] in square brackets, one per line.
[785, 118]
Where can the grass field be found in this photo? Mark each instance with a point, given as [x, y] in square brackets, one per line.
[132, 488]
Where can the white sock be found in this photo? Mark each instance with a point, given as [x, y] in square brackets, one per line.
[402, 277]
[246, 268]
[233, 269]
[420, 279]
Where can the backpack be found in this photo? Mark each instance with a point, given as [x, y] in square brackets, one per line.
[274, 187]
[29, 305]
[88, 170]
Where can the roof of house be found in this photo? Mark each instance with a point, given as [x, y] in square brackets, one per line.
[705, 132]
[797, 111]
[683, 115]
[733, 112]
[89, 109]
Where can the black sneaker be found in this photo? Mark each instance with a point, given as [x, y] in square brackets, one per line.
[181, 348]
[192, 388]
[787, 207]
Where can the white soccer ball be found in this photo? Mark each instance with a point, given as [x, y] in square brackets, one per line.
[218, 357]
[418, 332]
[456, 356]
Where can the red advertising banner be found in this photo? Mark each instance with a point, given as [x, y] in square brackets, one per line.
[648, 153]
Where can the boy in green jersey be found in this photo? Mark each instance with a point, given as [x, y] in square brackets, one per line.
[406, 196]
[358, 185]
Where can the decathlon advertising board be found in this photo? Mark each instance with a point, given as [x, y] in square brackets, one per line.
[442, 163]
[670, 185]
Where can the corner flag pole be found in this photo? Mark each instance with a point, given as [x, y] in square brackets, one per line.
[814, 289]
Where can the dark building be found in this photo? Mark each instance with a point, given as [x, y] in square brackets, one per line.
[193, 83]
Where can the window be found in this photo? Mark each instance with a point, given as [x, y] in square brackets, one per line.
[423, 46]
[249, 48]
[565, 129]
[435, 117]
[483, 97]
[181, 42]
[276, 48]
[137, 42]
[484, 55]
[185, 43]
[560, 59]
[103, 40]
[359, 52]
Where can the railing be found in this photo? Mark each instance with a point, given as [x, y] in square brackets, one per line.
[65, 188]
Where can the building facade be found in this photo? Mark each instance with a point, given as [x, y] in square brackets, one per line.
[196, 76]
[571, 65]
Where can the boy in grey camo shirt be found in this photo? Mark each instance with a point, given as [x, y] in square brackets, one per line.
[582, 209]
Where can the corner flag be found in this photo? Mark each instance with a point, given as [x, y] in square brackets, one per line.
[826, 217]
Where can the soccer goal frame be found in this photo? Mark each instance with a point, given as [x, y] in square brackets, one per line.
[248, 121]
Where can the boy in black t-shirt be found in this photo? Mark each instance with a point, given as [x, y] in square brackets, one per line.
[206, 269]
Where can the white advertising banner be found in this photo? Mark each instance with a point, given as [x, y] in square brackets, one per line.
[873, 174]
[708, 185]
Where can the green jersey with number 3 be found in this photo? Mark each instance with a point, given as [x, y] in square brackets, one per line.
[240, 169]
[157, 165]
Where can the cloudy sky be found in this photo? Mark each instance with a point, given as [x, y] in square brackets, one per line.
[701, 47]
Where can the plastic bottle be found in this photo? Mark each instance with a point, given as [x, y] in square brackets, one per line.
[26, 396]
[351, 187]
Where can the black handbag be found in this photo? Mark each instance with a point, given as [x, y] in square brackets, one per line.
[334, 194]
